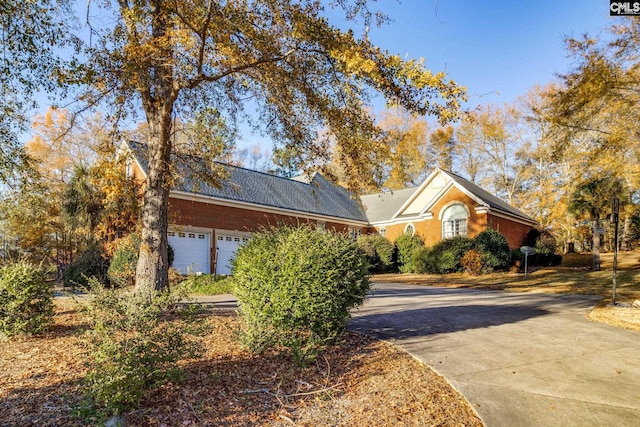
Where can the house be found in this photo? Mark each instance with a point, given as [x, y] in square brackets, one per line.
[444, 205]
[209, 223]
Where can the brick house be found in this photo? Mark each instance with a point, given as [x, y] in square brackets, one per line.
[207, 223]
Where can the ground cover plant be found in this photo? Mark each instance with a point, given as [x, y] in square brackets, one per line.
[357, 382]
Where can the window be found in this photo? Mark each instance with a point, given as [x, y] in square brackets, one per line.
[410, 229]
[181, 235]
[454, 221]
[383, 231]
[192, 235]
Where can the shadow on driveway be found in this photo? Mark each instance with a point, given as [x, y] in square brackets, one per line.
[422, 322]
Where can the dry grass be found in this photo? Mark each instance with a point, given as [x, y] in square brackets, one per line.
[360, 382]
[574, 276]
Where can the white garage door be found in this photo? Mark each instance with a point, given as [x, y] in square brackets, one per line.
[226, 247]
[191, 251]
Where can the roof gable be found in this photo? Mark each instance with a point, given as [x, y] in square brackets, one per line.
[417, 201]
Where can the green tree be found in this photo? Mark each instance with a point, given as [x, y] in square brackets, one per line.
[408, 145]
[301, 73]
[592, 201]
[30, 32]
[592, 113]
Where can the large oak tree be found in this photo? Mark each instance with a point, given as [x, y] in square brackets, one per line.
[277, 64]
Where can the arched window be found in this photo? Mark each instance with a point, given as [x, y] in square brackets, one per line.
[410, 229]
[454, 221]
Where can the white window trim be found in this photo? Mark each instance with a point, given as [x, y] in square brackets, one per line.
[413, 228]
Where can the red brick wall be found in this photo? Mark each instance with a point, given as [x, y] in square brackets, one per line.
[431, 229]
[206, 215]
[515, 232]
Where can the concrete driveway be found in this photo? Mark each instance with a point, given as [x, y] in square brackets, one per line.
[520, 359]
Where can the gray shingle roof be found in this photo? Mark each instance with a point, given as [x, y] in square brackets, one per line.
[315, 195]
[491, 201]
[382, 206]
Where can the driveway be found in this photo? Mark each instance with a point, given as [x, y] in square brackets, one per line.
[520, 359]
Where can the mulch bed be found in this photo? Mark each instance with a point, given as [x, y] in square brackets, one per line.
[359, 382]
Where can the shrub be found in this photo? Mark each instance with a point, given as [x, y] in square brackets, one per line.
[295, 287]
[421, 260]
[132, 347]
[445, 256]
[472, 262]
[26, 299]
[91, 263]
[407, 245]
[378, 250]
[122, 270]
[546, 244]
[494, 249]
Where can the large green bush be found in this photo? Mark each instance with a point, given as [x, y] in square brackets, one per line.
[133, 346]
[92, 262]
[26, 299]
[444, 256]
[295, 287]
[379, 251]
[494, 250]
[407, 245]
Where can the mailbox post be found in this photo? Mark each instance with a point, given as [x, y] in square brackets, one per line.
[527, 250]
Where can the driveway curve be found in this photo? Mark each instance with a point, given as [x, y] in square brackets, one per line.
[520, 359]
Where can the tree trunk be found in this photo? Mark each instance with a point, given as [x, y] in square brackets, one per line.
[626, 232]
[596, 245]
[153, 263]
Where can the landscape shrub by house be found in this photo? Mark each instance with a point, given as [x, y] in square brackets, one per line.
[406, 245]
[546, 246]
[133, 347]
[122, 269]
[26, 299]
[92, 262]
[471, 262]
[494, 250]
[295, 287]
[378, 250]
[444, 257]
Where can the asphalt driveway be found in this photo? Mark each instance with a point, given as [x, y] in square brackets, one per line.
[520, 359]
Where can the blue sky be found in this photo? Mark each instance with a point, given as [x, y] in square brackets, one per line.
[497, 49]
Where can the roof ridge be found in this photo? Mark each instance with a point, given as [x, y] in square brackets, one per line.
[229, 165]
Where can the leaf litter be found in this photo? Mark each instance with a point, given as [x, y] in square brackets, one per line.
[358, 382]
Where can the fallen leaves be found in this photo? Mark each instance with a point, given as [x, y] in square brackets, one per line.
[358, 382]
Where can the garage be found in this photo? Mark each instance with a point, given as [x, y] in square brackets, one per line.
[226, 246]
[192, 251]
